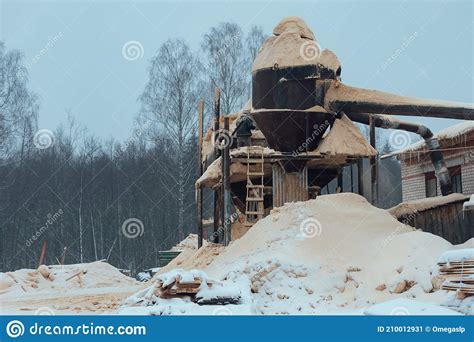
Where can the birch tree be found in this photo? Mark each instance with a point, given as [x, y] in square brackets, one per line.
[229, 57]
[169, 101]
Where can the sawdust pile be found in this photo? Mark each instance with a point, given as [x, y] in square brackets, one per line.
[190, 242]
[337, 252]
[62, 278]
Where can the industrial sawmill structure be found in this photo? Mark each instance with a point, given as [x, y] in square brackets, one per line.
[305, 135]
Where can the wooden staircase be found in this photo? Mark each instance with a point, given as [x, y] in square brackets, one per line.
[254, 208]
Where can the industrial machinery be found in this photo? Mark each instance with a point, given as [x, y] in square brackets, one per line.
[296, 87]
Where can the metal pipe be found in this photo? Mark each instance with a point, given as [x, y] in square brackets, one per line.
[431, 142]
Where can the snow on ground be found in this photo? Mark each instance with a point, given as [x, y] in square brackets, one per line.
[457, 255]
[403, 307]
[336, 254]
[98, 287]
[189, 243]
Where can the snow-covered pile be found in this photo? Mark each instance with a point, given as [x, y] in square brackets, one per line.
[457, 255]
[62, 278]
[422, 204]
[190, 242]
[334, 253]
[164, 295]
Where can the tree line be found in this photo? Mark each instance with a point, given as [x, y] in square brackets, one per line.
[83, 199]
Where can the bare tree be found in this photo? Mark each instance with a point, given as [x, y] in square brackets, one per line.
[169, 100]
[254, 41]
[229, 58]
[18, 105]
[226, 64]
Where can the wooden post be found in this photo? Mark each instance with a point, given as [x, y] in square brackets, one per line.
[217, 113]
[63, 256]
[200, 166]
[352, 178]
[43, 253]
[373, 163]
[222, 196]
[340, 181]
[226, 182]
[360, 176]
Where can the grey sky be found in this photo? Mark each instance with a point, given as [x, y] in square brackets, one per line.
[415, 48]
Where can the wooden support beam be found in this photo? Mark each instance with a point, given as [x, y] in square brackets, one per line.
[340, 181]
[373, 162]
[43, 253]
[217, 120]
[200, 166]
[226, 182]
[352, 177]
[221, 229]
[217, 113]
[360, 176]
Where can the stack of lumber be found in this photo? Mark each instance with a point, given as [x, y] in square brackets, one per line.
[180, 283]
[457, 268]
[180, 286]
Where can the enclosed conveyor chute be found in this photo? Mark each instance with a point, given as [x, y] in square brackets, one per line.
[340, 97]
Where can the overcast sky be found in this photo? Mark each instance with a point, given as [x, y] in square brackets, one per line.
[422, 49]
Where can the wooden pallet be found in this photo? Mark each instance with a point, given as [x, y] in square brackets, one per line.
[459, 277]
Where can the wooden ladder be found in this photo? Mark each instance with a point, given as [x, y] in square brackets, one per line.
[254, 208]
